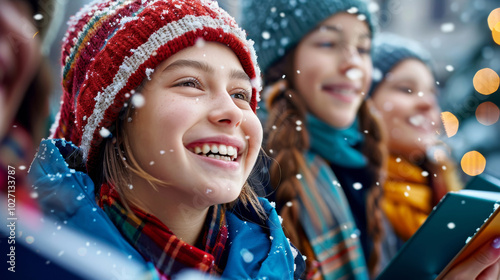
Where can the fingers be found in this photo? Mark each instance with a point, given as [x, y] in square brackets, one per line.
[491, 273]
[485, 260]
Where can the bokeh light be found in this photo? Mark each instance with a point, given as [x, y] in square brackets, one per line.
[473, 163]
[450, 123]
[486, 81]
[494, 18]
[487, 113]
[495, 32]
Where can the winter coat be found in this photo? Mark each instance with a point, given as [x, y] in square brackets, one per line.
[256, 249]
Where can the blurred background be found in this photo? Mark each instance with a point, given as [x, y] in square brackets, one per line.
[456, 32]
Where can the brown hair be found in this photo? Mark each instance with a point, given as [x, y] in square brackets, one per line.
[287, 146]
[119, 163]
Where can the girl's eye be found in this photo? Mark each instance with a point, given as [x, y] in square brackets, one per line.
[189, 83]
[326, 44]
[243, 95]
[364, 50]
[405, 89]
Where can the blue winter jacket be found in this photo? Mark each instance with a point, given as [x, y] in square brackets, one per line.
[257, 249]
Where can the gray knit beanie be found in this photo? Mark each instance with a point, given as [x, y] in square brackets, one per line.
[390, 49]
[277, 26]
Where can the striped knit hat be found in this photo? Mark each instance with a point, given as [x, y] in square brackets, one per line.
[277, 26]
[110, 48]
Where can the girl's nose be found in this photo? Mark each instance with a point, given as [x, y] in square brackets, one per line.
[225, 112]
[350, 58]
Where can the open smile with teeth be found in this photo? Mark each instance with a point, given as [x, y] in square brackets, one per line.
[417, 120]
[217, 151]
[340, 90]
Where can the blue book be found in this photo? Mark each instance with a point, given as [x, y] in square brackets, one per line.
[461, 222]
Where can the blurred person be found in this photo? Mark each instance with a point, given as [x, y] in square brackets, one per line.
[155, 139]
[325, 138]
[24, 86]
[317, 68]
[420, 171]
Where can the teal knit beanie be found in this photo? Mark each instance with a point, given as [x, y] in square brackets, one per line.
[277, 26]
[390, 49]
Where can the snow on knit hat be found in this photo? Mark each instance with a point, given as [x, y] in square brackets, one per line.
[112, 46]
[388, 50]
[277, 26]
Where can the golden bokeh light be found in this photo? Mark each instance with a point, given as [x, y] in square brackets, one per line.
[450, 123]
[486, 81]
[473, 163]
[495, 32]
[494, 18]
[487, 113]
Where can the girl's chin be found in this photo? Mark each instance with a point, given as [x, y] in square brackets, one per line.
[221, 195]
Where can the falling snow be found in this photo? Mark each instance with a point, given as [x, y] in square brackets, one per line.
[357, 186]
[266, 35]
[352, 10]
[447, 27]
[149, 72]
[105, 133]
[138, 100]
[200, 43]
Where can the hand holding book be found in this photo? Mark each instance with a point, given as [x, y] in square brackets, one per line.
[459, 238]
[484, 263]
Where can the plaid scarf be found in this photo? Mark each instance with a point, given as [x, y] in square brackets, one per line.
[157, 244]
[328, 223]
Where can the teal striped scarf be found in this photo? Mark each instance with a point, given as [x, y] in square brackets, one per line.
[328, 223]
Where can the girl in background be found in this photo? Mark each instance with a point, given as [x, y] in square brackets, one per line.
[419, 171]
[24, 88]
[321, 132]
[156, 137]
[326, 142]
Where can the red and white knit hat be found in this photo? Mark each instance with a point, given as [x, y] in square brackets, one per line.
[111, 46]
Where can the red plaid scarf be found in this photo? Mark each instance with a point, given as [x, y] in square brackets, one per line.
[157, 244]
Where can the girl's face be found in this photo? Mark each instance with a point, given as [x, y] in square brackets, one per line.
[407, 101]
[333, 69]
[196, 130]
[19, 57]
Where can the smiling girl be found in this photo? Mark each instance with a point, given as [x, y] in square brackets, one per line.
[419, 171]
[159, 105]
[317, 69]
[323, 134]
